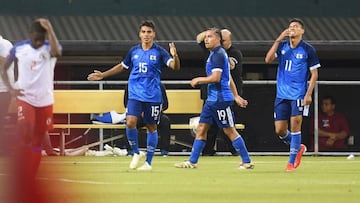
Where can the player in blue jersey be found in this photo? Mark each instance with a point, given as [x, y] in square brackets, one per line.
[297, 63]
[144, 61]
[222, 93]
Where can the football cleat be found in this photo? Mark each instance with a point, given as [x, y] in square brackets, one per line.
[245, 166]
[185, 164]
[145, 167]
[290, 167]
[135, 160]
[299, 155]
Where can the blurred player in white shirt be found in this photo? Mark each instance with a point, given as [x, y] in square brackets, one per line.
[5, 46]
[35, 60]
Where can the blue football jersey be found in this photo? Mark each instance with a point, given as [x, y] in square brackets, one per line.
[218, 61]
[145, 71]
[294, 69]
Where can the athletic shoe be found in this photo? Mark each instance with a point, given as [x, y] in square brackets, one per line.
[290, 167]
[185, 164]
[100, 123]
[299, 155]
[245, 166]
[145, 167]
[135, 160]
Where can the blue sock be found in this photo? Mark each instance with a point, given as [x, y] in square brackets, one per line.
[105, 118]
[197, 148]
[152, 140]
[287, 138]
[294, 146]
[132, 136]
[240, 148]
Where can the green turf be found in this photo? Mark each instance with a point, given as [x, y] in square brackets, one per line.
[217, 179]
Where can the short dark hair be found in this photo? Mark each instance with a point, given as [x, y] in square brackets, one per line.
[36, 27]
[329, 97]
[298, 20]
[217, 32]
[148, 23]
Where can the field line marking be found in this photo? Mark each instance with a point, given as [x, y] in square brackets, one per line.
[75, 181]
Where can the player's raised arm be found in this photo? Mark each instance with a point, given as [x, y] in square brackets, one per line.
[54, 43]
[270, 56]
[175, 64]
[98, 75]
[201, 37]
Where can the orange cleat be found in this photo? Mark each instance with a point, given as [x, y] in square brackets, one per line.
[299, 155]
[290, 167]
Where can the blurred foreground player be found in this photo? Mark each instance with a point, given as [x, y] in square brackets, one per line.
[35, 60]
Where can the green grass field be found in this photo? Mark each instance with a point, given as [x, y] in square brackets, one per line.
[217, 179]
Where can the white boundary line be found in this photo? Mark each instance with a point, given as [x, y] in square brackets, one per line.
[75, 181]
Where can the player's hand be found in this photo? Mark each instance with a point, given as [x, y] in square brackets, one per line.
[45, 23]
[16, 92]
[232, 63]
[307, 100]
[331, 139]
[194, 82]
[330, 142]
[241, 101]
[172, 47]
[283, 35]
[96, 75]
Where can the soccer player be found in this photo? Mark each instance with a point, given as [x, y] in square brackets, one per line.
[35, 60]
[5, 96]
[235, 59]
[145, 62]
[217, 109]
[297, 61]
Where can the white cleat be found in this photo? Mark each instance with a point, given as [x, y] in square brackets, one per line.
[135, 160]
[145, 167]
[185, 164]
[246, 166]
